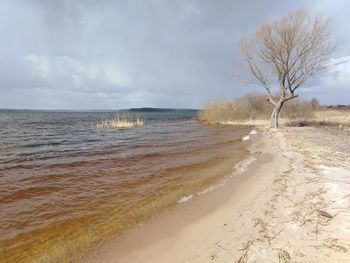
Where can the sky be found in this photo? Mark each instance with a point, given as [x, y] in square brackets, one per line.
[114, 54]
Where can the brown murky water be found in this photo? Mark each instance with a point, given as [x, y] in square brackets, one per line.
[66, 186]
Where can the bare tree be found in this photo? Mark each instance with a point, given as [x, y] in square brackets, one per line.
[285, 53]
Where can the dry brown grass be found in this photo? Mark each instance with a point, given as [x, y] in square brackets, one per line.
[253, 107]
[324, 117]
[334, 116]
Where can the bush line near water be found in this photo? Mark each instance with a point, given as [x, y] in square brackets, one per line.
[254, 107]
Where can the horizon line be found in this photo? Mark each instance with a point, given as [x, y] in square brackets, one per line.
[91, 110]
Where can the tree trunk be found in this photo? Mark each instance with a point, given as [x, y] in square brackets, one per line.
[275, 114]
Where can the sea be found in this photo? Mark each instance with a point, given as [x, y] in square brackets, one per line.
[67, 186]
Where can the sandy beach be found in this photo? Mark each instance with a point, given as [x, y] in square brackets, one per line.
[291, 204]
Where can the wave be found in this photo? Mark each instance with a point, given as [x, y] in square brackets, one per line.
[239, 168]
[185, 199]
[242, 166]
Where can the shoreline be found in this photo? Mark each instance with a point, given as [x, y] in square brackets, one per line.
[291, 205]
[165, 235]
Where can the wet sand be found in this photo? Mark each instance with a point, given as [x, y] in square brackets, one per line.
[291, 205]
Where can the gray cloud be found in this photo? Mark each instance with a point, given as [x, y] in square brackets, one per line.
[116, 54]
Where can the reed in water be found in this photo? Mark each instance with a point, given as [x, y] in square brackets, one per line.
[120, 123]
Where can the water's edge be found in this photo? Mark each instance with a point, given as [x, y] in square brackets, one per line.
[188, 210]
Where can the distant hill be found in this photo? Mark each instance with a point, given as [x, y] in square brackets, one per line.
[144, 109]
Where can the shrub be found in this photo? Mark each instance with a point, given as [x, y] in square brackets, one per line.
[297, 109]
[216, 111]
[252, 107]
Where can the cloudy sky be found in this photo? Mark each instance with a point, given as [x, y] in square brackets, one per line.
[110, 54]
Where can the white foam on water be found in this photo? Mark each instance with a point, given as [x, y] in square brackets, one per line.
[242, 166]
[213, 187]
[239, 168]
[209, 189]
[185, 199]
[246, 138]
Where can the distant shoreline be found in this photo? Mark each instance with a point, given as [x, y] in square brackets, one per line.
[143, 109]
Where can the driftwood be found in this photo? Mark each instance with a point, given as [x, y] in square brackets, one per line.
[324, 214]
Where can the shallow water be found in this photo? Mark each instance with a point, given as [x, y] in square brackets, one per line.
[66, 186]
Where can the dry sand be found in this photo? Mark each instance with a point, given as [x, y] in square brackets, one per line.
[291, 205]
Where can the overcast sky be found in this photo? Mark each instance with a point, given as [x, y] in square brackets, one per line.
[110, 54]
